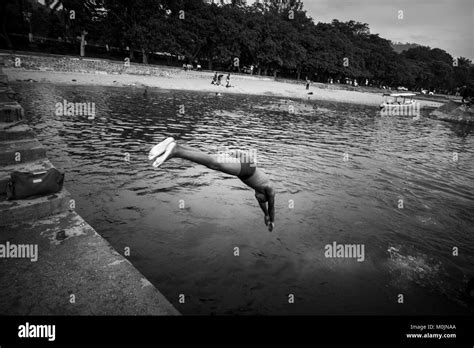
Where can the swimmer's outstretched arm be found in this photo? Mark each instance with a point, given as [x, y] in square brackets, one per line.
[271, 204]
[263, 205]
[271, 208]
[269, 212]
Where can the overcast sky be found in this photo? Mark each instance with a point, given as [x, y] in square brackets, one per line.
[446, 24]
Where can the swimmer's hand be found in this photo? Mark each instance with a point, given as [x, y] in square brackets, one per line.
[269, 223]
[267, 219]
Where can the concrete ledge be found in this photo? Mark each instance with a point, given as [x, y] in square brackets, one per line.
[6, 90]
[7, 97]
[34, 207]
[72, 260]
[28, 149]
[9, 131]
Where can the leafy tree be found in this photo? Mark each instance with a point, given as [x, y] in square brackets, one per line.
[272, 36]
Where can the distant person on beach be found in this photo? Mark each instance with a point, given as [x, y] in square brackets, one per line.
[237, 163]
[228, 81]
[464, 94]
[219, 79]
[307, 83]
[214, 79]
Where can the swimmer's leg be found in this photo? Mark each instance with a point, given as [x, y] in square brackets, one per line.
[187, 148]
[209, 161]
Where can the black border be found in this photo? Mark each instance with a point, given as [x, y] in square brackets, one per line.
[224, 330]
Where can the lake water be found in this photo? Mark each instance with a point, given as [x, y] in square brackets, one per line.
[182, 221]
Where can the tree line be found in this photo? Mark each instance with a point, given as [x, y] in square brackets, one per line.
[275, 40]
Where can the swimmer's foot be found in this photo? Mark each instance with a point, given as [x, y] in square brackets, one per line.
[160, 148]
[168, 154]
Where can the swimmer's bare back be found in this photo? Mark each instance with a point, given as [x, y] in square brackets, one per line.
[246, 171]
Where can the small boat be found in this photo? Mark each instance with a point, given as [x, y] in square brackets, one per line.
[395, 99]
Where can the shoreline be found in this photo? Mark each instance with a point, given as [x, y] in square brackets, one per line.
[200, 81]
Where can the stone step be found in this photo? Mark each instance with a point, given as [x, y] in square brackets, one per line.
[34, 208]
[8, 95]
[11, 111]
[6, 89]
[20, 151]
[10, 131]
[31, 167]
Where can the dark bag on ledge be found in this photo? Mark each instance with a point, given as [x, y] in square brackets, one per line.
[23, 185]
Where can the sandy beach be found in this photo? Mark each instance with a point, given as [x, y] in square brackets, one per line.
[175, 79]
